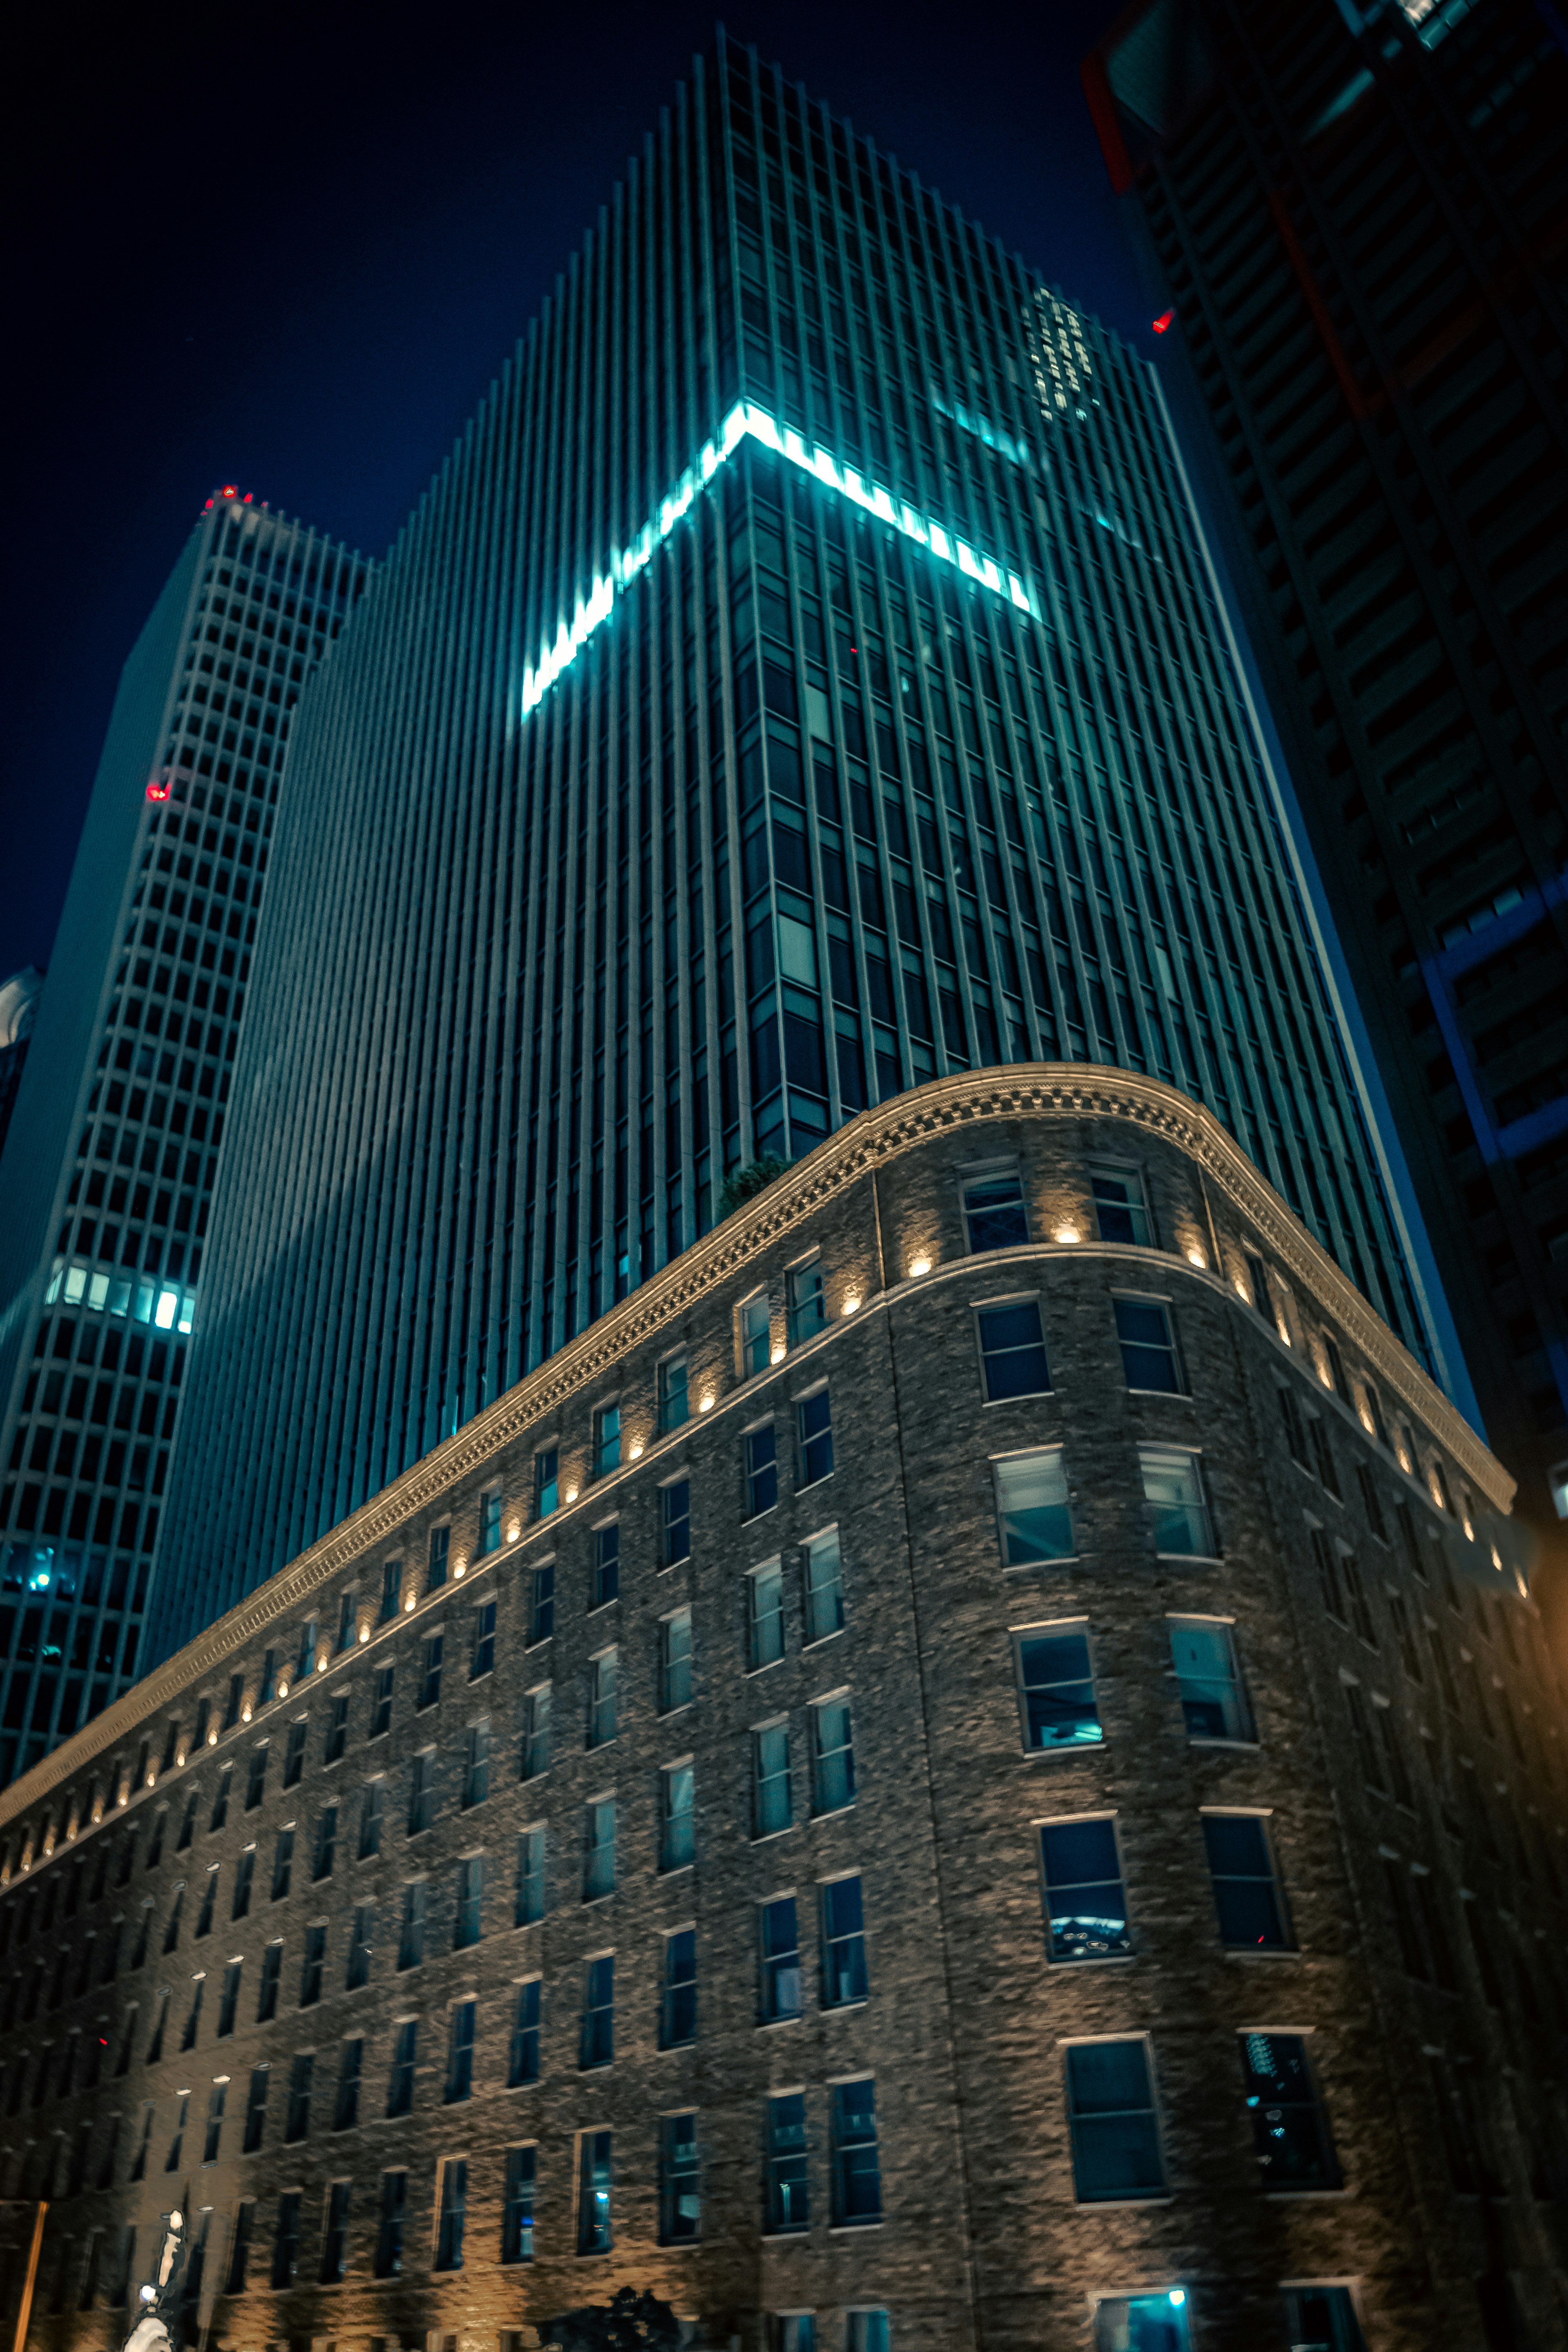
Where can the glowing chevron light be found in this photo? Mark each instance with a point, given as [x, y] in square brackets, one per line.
[746, 418]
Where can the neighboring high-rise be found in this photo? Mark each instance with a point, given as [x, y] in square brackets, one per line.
[1357, 219]
[804, 678]
[18, 1005]
[108, 1165]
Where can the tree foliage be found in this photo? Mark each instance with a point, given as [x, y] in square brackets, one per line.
[630, 2322]
[745, 1183]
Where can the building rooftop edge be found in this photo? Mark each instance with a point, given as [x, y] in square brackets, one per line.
[865, 1144]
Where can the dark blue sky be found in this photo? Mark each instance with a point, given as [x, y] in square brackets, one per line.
[287, 247]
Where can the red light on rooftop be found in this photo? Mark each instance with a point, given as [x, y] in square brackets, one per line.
[247, 498]
[1165, 320]
[157, 792]
[228, 490]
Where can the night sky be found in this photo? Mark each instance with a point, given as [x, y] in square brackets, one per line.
[288, 247]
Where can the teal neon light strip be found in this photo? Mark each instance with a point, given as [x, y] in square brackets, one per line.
[743, 419]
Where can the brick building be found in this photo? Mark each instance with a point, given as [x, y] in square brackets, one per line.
[972, 1766]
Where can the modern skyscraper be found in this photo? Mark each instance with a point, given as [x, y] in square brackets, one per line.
[805, 677]
[1356, 220]
[108, 1170]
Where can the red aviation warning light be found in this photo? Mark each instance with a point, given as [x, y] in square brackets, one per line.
[157, 792]
[1165, 321]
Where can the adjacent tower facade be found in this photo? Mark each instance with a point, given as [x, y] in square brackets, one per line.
[804, 678]
[112, 1145]
[1354, 217]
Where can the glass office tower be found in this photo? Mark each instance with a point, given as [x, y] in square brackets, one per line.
[803, 677]
[112, 1148]
[1355, 216]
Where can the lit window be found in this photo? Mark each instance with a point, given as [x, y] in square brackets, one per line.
[1120, 1211]
[1173, 1496]
[1012, 1350]
[1246, 1895]
[1290, 2132]
[607, 1439]
[1148, 1345]
[490, 1520]
[1032, 1508]
[1130, 2323]
[1111, 2113]
[595, 2234]
[1208, 1678]
[993, 1212]
[1086, 1907]
[1056, 1687]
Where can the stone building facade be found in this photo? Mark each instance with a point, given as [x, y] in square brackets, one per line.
[974, 1766]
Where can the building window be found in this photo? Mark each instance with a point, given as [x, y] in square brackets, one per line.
[675, 1661]
[297, 2115]
[452, 2214]
[993, 1212]
[1111, 2115]
[522, 2065]
[1246, 1896]
[832, 1754]
[678, 1817]
[239, 1906]
[1126, 2323]
[764, 1616]
[599, 1849]
[381, 1704]
[603, 1676]
[606, 1570]
[411, 1937]
[431, 1655]
[1012, 1350]
[347, 1622]
[761, 1446]
[678, 1996]
[541, 1603]
[536, 1752]
[218, 2099]
[234, 1701]
[389, 2226]
[679, 2187]
[255, 2109]
[773, 1806]
[1148, 1345]
[823, 1586]
[282, 1864]
[1174, 1497]
[468, 1923]
[220, 1798]
[807, 1306]
[1208, 1678]
[313, 1967]
[404, 2054]
[256, 1777]
[531, 1880]
[337, 1729]
[266, 1991]
[595, 2157]
[778, 1946]
[792, 2331]
[1032, 1509]
[673, 1405]
[787, 2201]
[1289, 2131]
[390, 1592]
[484, 1656]
[421, 1791]
[856, 2170]
[1055, 1688]
[345, 2105]
[476, 1764]
[372, 1809]
[238, 2257]
[335, 2234]
[1086, 1905]
[675, 1512]
[461, 2053]
[228, 2005]
[844, 1980]
[546, 1482]
[607, 1439]
[436, 1548]
[1322, 2319]
[286, 2240]
[517, 2208]
[755, 1319]
[814, 1436]
[1120, 1210]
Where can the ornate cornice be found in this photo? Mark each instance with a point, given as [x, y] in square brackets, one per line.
[867, 1144]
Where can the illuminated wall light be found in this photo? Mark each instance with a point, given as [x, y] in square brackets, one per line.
[571, 1494]
[1496, 1560]
[705, 1404]
[852, 1307]
[1523, 1588]
[515, 1530]
[179, 1759]
[635, 1449]
[459, 1569]
[746, 418]
[322, 1665]
[1068, 1236]
[918, 1266]
[777, 1356]
[212, 1735]
[408, 1605]
[365, 1633]
[1320, 1364]
[1241, 1289]
[244, 1714]
[1195, 1257]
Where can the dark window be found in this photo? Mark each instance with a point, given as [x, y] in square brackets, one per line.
[606, 1564]
[523, 2063]
[678, 2010]
[1246, 1897]
[1148, 1346]
[857, 2169]
[1013, 1350]
[814, 1434]
[762, 1470]
[674, 1502]
[788, 2201]
[596, 2040]
[1086, 1907]
[993, 1212]
[1111, 2113]
[779, 1953]
[1055, 1688]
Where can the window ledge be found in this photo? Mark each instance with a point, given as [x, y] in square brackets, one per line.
[1194, 1558]
[1261, 1951]
[837, 1634]
[771, 2024]
[810, 1487]
[1178, 1396]
[1299, 2196]
[1058, 1559]
[1024, 1396]
[1236, 1747]
[1056, 1755]
[766, 1837]
[1102, 1961]
[1122, 2204]
[853, 2229]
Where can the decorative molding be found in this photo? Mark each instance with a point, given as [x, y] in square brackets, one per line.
[867, 1145]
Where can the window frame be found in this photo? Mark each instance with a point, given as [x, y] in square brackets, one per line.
[982, 1171]
[1153, 2195]
[996, 1462]
[1172, 1346]
[981, 1307]
[1056, 1627]
[1137, 1211]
